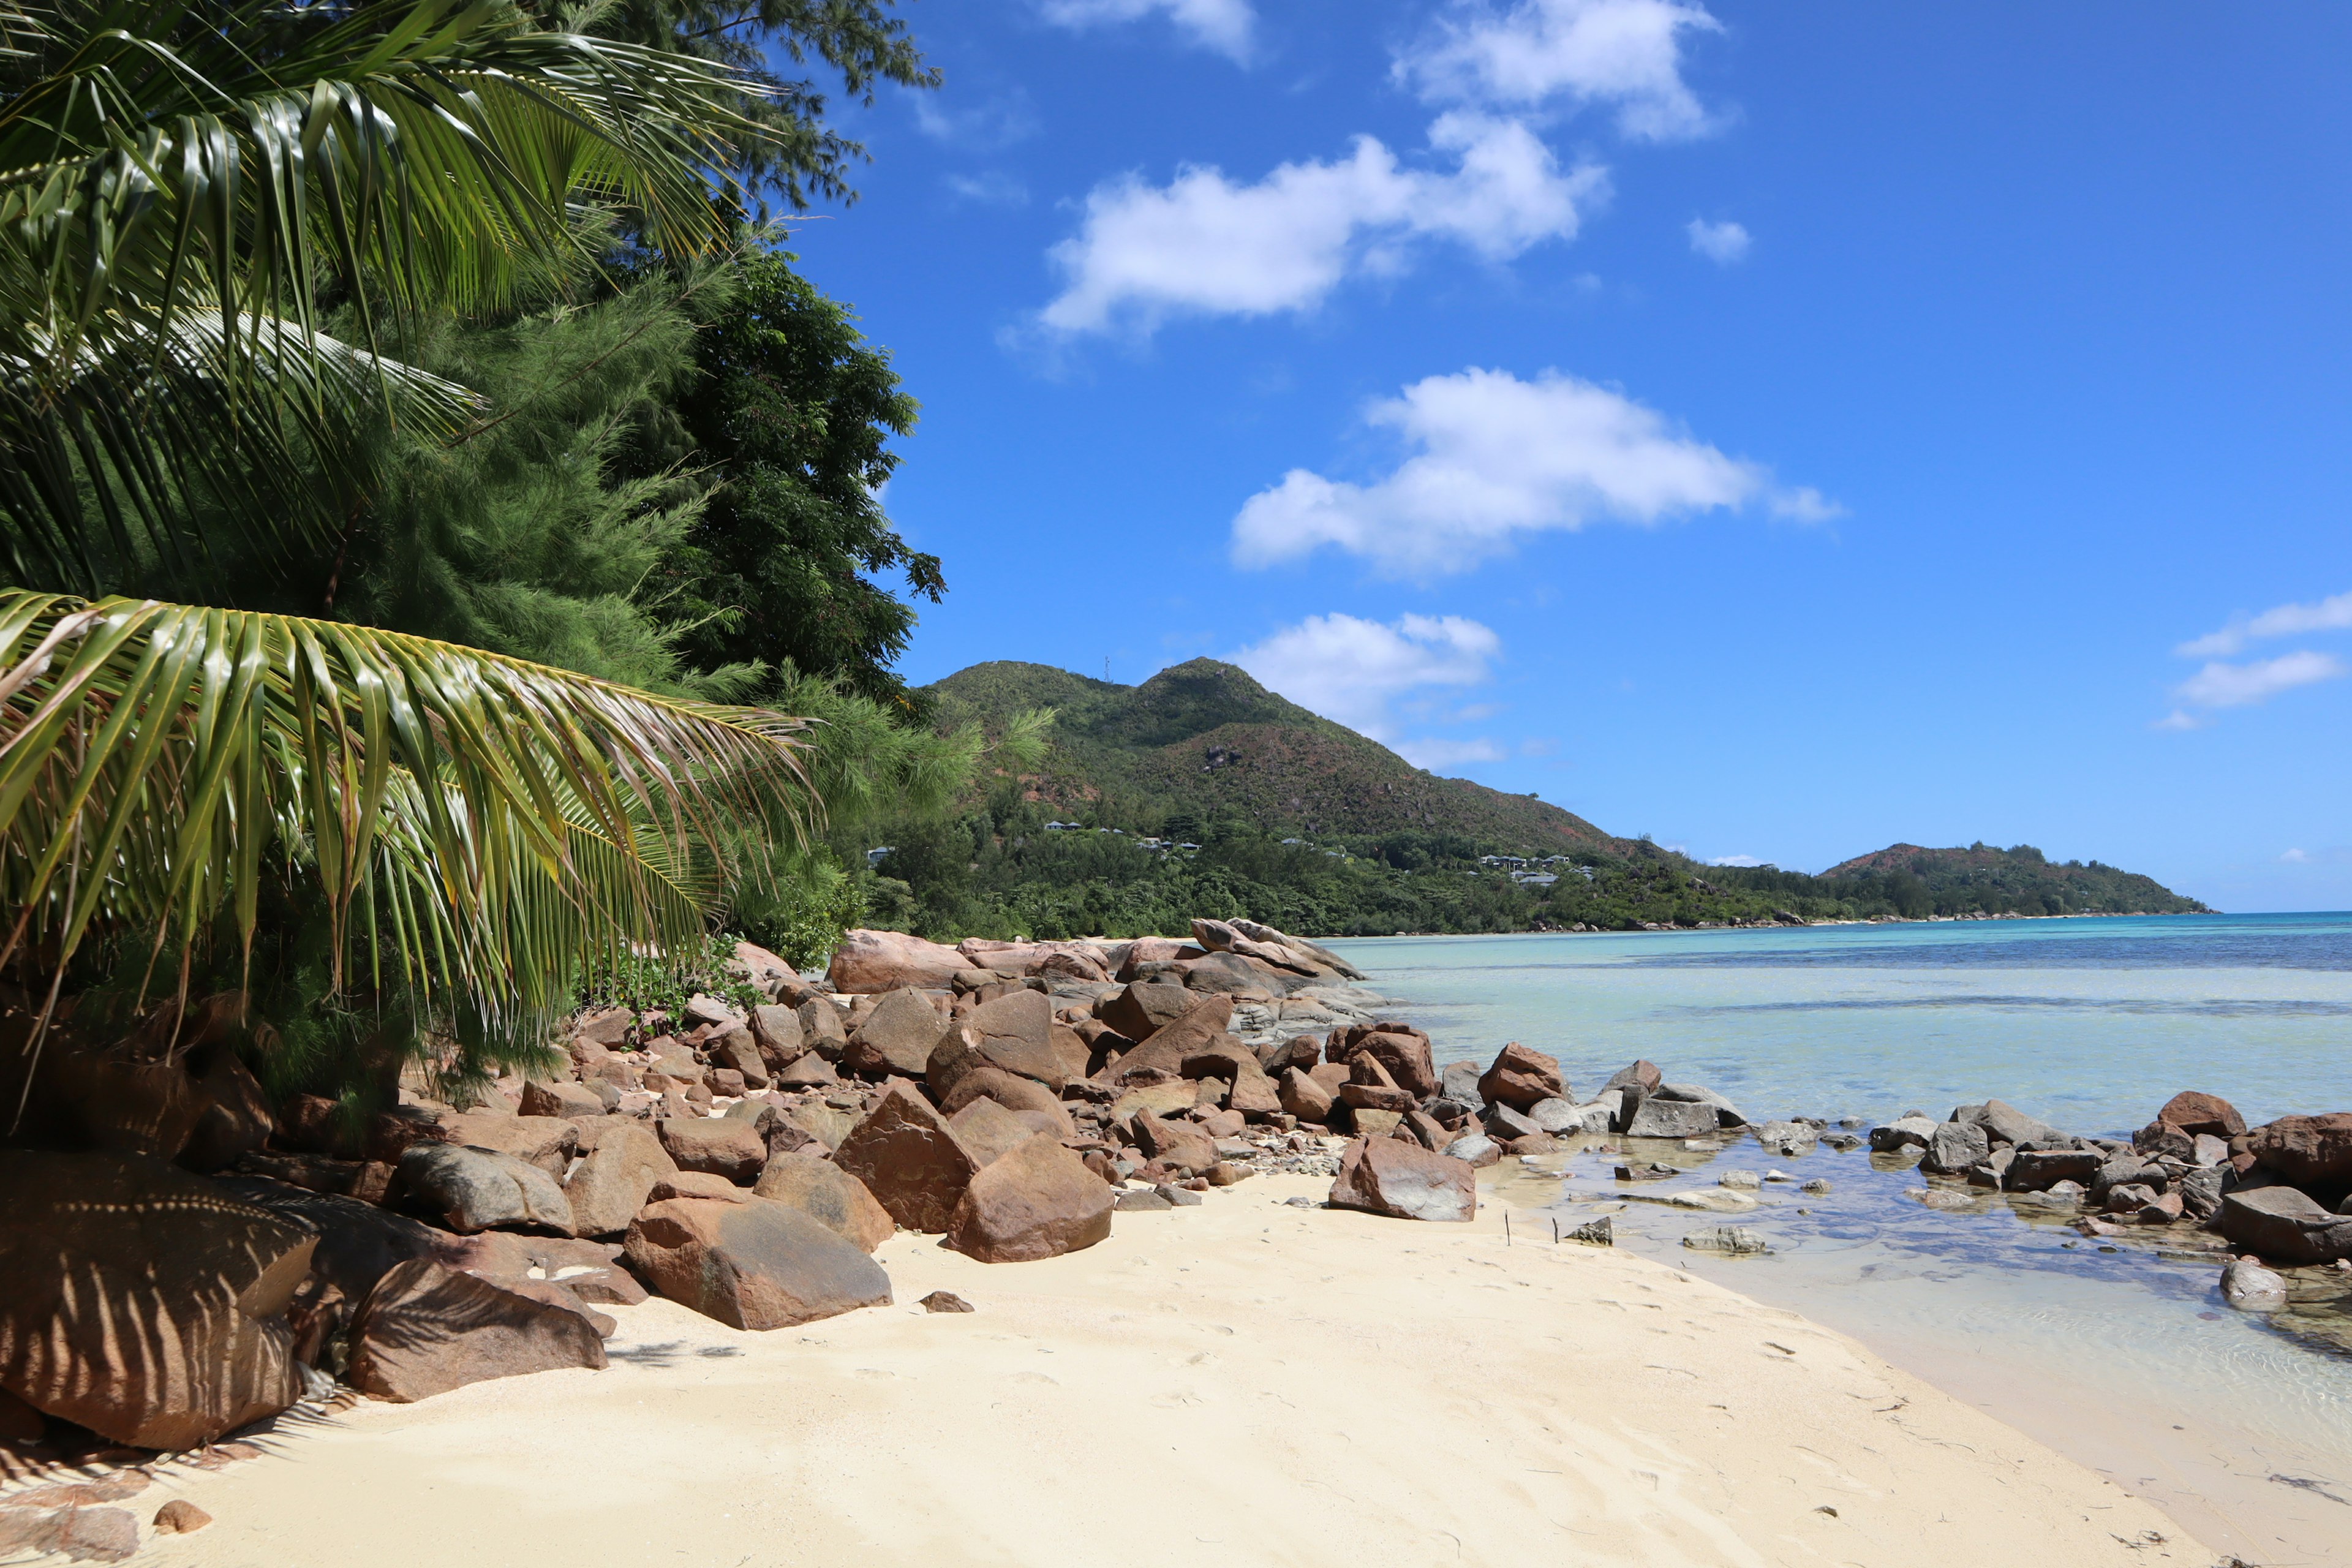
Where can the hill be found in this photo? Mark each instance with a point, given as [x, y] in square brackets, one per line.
[2021, 878]
[1202, 792]
[1203, 741]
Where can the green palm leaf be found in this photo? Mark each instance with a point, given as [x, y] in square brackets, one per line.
[248, 163]
[488, 823]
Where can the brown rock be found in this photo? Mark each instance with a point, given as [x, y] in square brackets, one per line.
[1396, 1177]
[1013, 1033]
[990, 1130]
[1521, 1076]
[912, 1162]
[1372, 1097]
[1642, 1076]
[2307, 1150]
[606, 1027]
[765, 972]
[546, 1142]
[1202, 1027]
[1177, 1144]
[612, 1182]
[1144, 1008]
[808, 1070]
[473, 1188]
[144, 1302]
[1163, 1097]
[561, 1101]
[697, 1184]
[1371, 1123]
[874, 961]
[1404, 1053]
[759, 1265]
[1009, 1091]
[590, 1270]
[823, 1028]
[827, 1195]
[78, 1534]
[236, 1121]
[945, 1301]
[181, 1517]
[896, 1038]
[725, 1146]
[1037, 1200]
[1306, 1099]
[735, 1048]
[425, 1329]
[2162, 1139]
[2194, 1112]
[776, 1029]
[2284, 1224]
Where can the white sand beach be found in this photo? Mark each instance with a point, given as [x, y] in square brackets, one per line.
[1241, 1382]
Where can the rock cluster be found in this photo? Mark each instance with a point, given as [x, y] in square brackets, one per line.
[2282, 1192]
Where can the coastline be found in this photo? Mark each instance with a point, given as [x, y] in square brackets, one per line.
[1240, 1381]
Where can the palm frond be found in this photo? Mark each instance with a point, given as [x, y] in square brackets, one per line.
[252, 162]
[488, 823]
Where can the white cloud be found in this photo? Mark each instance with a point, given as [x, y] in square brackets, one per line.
[1205, 245]
[1495, 457]
[987, 127]
[1737, 860]
[1357, 672]
[2295, 857]
[2285, 620]
[2219, 685]
[1627, 53]
[1721, 243]
[1228, 27]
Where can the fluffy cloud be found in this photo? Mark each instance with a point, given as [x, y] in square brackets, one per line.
[1360, 673]
[1627, 53]
[2219, 685]
[1737, 860]
[2285, 620]
[1495, 457]
[1228, 27]
[1721, 243]
[1206, 245]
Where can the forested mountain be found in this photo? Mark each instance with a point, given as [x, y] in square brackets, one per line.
[1201, 793]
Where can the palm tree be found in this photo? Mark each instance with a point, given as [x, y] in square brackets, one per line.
[187, 191]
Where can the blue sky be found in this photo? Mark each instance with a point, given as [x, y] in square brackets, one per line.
[1782, 430]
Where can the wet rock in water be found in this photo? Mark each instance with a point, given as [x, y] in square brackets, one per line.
[1722, 1200]
[2161, 1139]
[1521, 1078]
[1655, 1117]
[1904, 1132]
[1953, 1147]
[1726, 1113]
[1733, 1240]
[1939, 1198]
[1503, 1124]
[2307, 1150]
[2194, 1113]
[2251, 1288]
[1844, 1143]
[1595, 1233]
[756, 1265]
[1649, 1172]
[481, 1189]
[2200, 1193]
[2165, 1210]
[1992, 1171]
[2283, 1223]
[1746, 1181]
[181, 1517]
[1788, 1139]
[1819, 1185]
[425, 1329]
[1555, 1117]
[946, 1301]
[2033, 1170]
[1036, 1200]
[2004, 1124]
[1389, 1176]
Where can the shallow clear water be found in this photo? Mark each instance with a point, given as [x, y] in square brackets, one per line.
[2124, 1359]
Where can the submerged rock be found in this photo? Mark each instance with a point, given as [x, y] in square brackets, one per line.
[1733, 1240]
[2251, 1288]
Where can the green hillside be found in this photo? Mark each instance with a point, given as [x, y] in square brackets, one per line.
[1202, 792]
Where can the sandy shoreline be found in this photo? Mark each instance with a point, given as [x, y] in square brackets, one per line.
[1238, 1381]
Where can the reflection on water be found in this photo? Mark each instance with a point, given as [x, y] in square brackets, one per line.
[2116, 1351]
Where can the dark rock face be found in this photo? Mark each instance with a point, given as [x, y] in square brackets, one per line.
[827, 1195]
[1903, 1132]
[1143, 1009]
[478, 1189]
[755, 1265]
[1202, 1027]
[2284, 1223]
[1458, 1081]
[2307, 1150]
[2033, 1170]
[1403, 1180]
[1519, 1078]
[358, 1243]
[2004, 1124]
[425, 1329]
[590, 1270]
[2194, 1112]
[1726, 1113]
[912, 1162]
[142, 1302]
[1655, 1117]
[2162, 1139]
[1037, 1201]
[1736, 1240]
[1642, 1077]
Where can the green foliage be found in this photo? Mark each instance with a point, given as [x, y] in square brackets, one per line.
[666, 979]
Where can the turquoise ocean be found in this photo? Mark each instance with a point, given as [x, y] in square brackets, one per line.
[2121, 1356]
